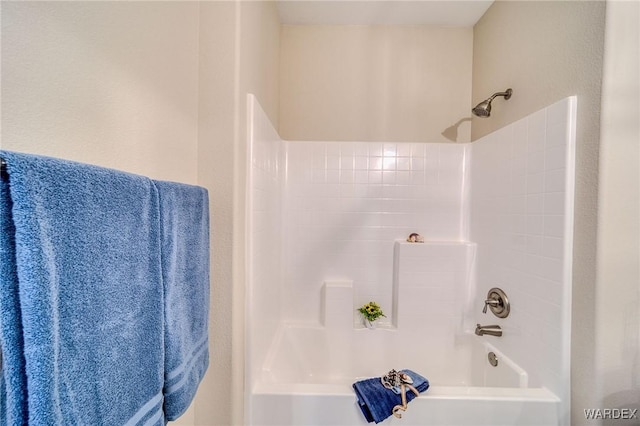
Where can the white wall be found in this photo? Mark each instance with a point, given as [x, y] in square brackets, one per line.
[347, 202]
[217, 76]
[375, 83]
[112, 84]
[618, 289]
[239, 55]
[546, 51]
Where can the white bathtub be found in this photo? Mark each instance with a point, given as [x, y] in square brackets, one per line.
[307, 377]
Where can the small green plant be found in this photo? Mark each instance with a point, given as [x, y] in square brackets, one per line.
[371, 311]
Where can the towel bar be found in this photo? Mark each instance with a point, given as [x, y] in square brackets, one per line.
[3, 167]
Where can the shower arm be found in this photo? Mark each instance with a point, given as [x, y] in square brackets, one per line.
[506, 95]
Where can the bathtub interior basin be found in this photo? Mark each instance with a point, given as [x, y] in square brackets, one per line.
[308, 373]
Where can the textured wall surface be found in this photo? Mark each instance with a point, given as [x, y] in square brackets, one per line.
[375, 83]
[112, 84]
[238, 55]
[618, 292]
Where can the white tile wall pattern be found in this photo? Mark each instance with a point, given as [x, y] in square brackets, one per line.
[337, 305]
[330, 212]
[521, 218]
[347, 202]
[432, 286]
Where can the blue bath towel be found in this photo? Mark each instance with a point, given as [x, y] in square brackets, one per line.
[89, 285]
[13, 380]
[377, 402]
[184, 215]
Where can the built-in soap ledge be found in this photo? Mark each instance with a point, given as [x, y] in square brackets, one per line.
[357, 326]
[338, 311]
[435, 243]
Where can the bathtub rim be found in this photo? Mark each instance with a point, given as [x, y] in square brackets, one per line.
[541, 394]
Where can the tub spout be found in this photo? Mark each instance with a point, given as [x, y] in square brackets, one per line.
[491, 330]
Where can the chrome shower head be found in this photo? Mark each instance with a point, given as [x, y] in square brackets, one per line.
[483, 109]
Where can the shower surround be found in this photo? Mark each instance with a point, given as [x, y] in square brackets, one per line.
[326, 228]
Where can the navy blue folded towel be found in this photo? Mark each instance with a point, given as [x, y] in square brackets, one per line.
[377, 402]
[85, 333]
[184, 215]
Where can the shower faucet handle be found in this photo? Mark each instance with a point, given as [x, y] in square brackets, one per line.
[492, 303]
[498, 302]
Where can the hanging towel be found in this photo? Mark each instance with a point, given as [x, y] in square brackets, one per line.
[377, 402]
[184, 216]
[13, 380]
[89, 287]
